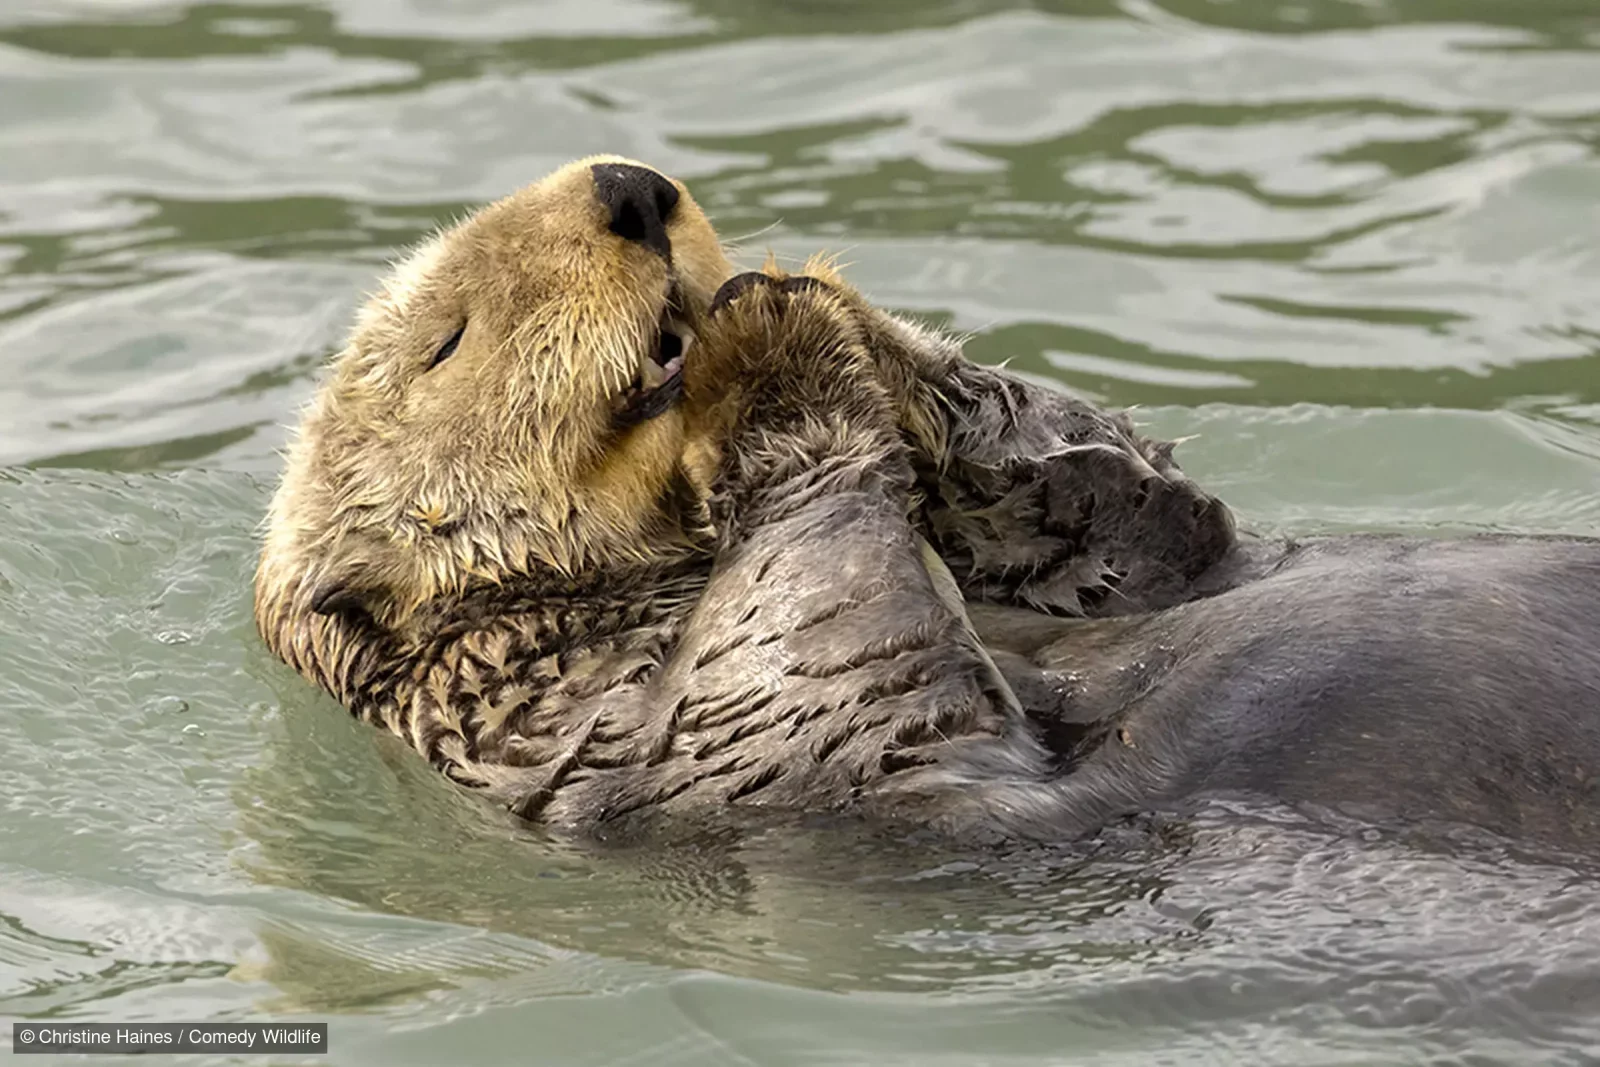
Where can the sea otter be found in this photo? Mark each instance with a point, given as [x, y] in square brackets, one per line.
[609, 531]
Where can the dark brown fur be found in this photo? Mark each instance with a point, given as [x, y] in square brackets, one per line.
[849, 571]
[767, 627]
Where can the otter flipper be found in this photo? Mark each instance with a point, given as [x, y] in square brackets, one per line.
[1043, 501]
[1032, 497]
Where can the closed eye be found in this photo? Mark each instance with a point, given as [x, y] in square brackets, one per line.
[447, 349]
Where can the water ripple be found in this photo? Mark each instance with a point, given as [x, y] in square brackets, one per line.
[1344, 242]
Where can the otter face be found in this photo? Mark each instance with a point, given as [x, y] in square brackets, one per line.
[506, 402]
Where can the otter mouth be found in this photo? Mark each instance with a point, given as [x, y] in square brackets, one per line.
[658, 383]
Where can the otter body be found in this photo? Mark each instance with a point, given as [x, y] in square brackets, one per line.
[1387, 677]
[606, 533]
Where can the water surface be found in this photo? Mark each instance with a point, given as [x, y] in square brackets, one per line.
[1349, 244]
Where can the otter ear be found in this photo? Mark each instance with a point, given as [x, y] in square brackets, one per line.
[350, 582]
[337, 596]
[346, 590]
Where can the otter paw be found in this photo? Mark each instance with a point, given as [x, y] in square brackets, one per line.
[787, 343]
[752, 280]
[913, 363]
[765, 322]
[768, 316]
[737, 286]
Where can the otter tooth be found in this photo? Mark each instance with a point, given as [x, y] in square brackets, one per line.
[685, 334]
[652, 373]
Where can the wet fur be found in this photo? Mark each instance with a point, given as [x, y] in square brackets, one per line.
[1389, 678]
[1032, 497]
[734, 675]
[851, 571]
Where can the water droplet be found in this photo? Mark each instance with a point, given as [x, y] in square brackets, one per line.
[174, 637]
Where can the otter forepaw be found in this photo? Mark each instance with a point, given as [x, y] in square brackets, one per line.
[784, 284]
[737, 286]
[785, 346]
[912, 362]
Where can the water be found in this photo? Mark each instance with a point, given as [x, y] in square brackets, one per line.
[1349, 243]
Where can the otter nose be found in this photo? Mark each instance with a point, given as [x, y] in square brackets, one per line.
[640, 201]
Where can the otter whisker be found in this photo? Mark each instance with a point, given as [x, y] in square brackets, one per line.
[728, 242]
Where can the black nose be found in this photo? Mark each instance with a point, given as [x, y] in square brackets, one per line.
[640, 201]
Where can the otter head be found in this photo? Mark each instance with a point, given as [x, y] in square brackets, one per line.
[506, 405]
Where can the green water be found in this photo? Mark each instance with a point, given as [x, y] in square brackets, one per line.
[1351, 244]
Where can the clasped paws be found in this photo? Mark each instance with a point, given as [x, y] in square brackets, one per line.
[786, 345]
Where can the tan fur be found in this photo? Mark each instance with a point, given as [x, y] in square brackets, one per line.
[756, 600]
[406, 484]
[732, 601]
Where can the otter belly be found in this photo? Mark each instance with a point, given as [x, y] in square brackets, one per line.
[1388, 677]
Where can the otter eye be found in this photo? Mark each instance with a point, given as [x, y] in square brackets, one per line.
[447, 349]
